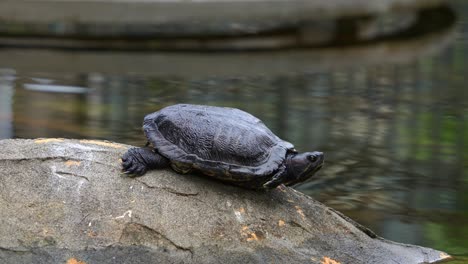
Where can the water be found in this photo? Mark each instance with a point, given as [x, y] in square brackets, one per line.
[395, 135]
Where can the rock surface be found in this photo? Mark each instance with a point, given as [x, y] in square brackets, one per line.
[65, 201]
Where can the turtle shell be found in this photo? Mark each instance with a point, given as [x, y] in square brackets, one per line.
[226, 143]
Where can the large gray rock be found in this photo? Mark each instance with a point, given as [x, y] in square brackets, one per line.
[65, 201]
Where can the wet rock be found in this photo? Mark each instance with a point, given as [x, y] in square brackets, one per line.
[65, 201]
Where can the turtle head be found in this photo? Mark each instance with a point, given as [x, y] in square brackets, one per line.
[302, 166]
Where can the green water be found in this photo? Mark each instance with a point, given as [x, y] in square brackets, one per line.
[395, 136]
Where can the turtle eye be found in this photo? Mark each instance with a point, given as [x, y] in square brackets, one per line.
[312, 158]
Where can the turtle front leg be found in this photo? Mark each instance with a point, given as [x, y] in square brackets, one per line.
[137, 161]
[277, 179]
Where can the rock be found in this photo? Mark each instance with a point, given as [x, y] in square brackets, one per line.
[65, 201]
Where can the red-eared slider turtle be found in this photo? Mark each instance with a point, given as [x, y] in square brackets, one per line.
[224, 143]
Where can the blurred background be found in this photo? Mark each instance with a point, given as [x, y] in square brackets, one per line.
[379, 86]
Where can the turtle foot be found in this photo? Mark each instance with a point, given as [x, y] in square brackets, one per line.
[134, 161]
[277, 179]
[137, 161]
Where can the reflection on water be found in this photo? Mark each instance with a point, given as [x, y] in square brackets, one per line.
[395, 136]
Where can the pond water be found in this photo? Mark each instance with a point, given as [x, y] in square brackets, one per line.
[395, 136]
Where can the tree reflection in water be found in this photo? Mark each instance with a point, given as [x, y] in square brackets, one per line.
[395, 136]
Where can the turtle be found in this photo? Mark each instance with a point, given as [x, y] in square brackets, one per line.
[224, 143]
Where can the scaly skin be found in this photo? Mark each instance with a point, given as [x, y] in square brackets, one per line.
[136, 161]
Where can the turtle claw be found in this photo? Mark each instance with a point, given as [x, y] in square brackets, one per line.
[131, 174]
[126, 174]
[134, 168]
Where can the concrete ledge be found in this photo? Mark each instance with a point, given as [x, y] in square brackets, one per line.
[190, 64]
[179, 17]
